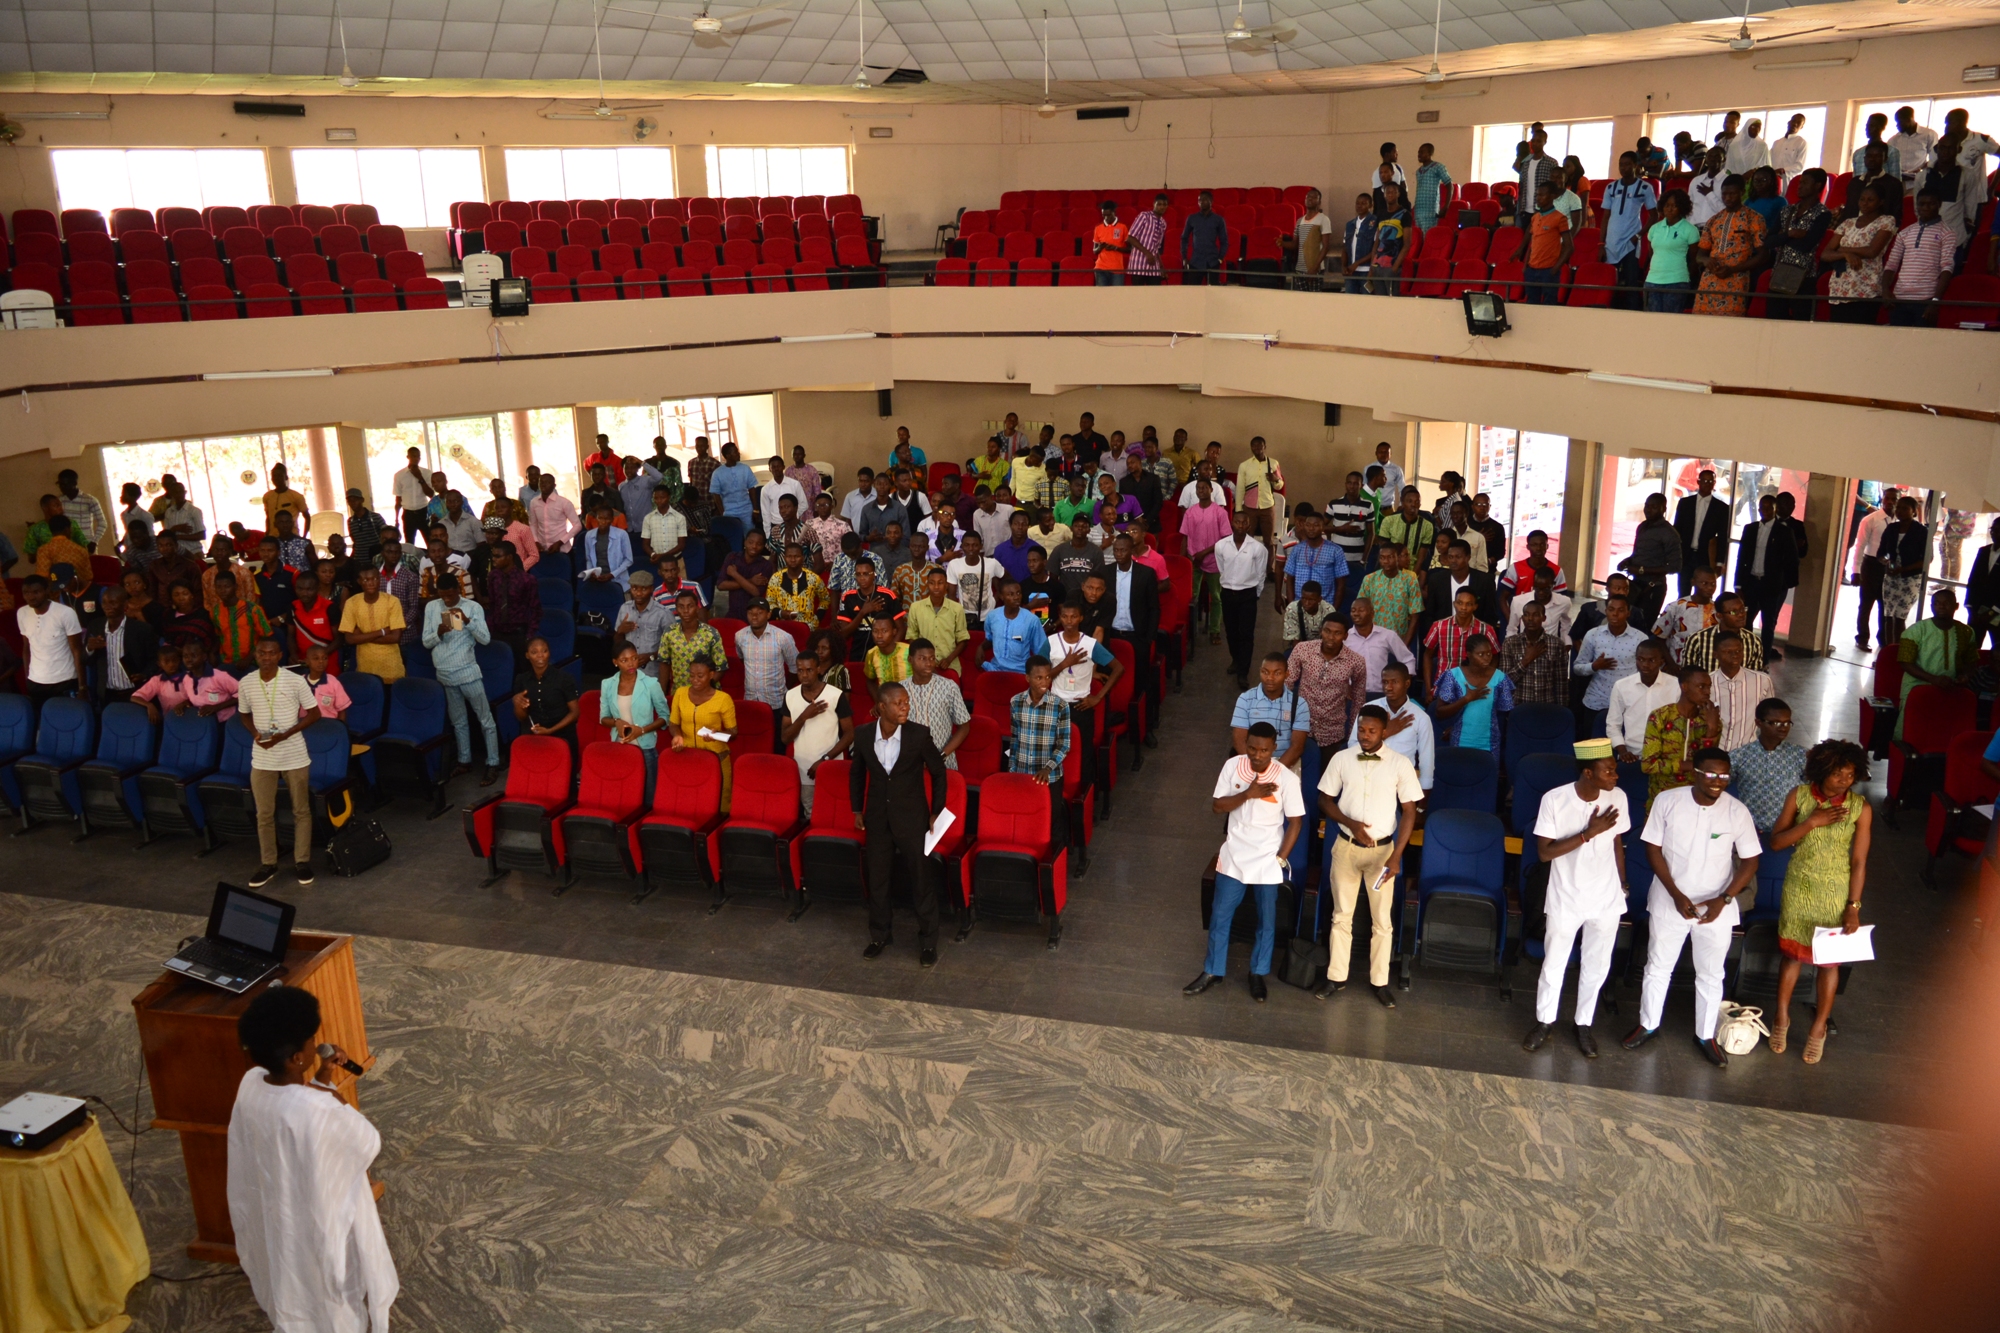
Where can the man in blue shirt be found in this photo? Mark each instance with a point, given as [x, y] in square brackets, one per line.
[1627, 201]
[454, 627]
[905, 454]
[1013, 635]
[1269, 701]
[732, 484]
[635, 493]
[1606, 656]
[1204, 241]
[1313, 559]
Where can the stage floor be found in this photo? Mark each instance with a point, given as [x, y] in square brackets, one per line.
[572, 1144]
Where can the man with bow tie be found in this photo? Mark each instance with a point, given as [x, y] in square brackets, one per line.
[1369, 796]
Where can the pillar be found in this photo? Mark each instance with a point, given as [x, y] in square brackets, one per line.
[352, 443]
[493, 162]
[284, 185]
[585, 419]
[323, 497]
[1579, 534]
[691, 170]
[524, 443]
[1819, 574]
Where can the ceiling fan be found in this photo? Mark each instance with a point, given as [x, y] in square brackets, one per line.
[1436, 75]
[603, 111]
[1744, 42]
[1048, 107]
[348, 81]
[705, 24]
[1239, 36]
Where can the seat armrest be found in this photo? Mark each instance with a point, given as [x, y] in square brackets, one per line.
[707, 830]
[424, 747]
[483, 802]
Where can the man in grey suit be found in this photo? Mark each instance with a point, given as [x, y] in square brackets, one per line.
[886, 785]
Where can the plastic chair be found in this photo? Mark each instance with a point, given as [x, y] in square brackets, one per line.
[1012, 869]
[833, 860]
[595, 834]
[65, 739]
[1464, 779]
[227, 807]
[756, 849]
[108, 784]
[1539, 729]
[1952, 824]
[670, 843]
[190, 748]
[1932, 715]
[408, 758]
[1459, 917]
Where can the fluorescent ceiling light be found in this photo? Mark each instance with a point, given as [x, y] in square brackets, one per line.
[873, 115]
[62, 115]
[825, 337]
[1245, 337]
[1448, 96]
[1829, 62]
[324, 372]
[583, 115]
[770, 85]
[1643, 382]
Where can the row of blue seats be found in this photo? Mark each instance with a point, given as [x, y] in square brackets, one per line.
[189, 774]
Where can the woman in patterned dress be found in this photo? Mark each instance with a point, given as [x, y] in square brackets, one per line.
[1732, 246]
[1828, 823]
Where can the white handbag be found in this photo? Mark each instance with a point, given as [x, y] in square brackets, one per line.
[1740, 1029]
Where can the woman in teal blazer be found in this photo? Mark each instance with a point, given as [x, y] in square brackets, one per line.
[632, 706]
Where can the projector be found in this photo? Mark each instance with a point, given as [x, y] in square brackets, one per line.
[34, 1120]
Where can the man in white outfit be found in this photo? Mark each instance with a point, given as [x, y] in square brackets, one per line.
[1703, 846]
[1788, 154]
[307, 1234]
[1580, 832]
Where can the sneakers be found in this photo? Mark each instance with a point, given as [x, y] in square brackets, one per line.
[264, 875]
[303, 872]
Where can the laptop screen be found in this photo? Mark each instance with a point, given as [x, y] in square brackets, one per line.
[252, 922]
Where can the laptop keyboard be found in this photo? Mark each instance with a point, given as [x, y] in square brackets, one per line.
[222, 957]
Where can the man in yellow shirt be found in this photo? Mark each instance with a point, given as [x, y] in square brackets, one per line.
[282, 496]
[1182, 457]
[1257, 483]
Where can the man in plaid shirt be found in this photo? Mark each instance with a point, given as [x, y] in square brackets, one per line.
[1444, 644]
[1041, 741]
[1148, 241]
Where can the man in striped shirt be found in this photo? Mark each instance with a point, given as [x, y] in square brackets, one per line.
[1148, 239]
[85, 513]
[1919, 265]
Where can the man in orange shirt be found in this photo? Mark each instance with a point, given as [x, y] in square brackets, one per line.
[1546, 247]
[1108, 242]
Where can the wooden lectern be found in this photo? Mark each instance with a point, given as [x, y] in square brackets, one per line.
[188, 1032]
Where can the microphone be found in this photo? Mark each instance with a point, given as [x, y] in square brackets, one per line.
[330, 1052]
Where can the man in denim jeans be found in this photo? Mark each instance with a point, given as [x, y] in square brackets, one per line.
[1266, 811]
[1545, 249]
[453, 629]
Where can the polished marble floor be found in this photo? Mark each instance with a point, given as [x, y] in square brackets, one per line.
[580, 1145]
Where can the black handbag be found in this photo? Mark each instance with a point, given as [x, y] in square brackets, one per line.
[1788, 276]
[361, 845]
[1304, 962]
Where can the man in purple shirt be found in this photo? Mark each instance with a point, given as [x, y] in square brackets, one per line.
[1013, 553]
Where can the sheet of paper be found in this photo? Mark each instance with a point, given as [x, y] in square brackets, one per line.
[720, 737]
[1986, 810]
[1831, 946]
[939, 827]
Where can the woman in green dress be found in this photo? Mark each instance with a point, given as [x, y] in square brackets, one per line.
[1828, 823]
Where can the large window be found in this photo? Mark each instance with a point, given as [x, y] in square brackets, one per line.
[764, 171]
[1704, 126]
[156, 178]
[409, 187]
[1522, 473]
[1931, 112]
[472, 451]
[1494, 147]
[590, 173]
[226, 476]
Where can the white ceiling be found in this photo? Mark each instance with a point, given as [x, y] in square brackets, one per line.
[997, 43]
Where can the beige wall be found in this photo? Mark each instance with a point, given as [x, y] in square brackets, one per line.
[944, 157]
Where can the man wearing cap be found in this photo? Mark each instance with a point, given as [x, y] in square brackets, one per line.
[364, 527]
[1580, 833]
[514, 533]
[641, 622]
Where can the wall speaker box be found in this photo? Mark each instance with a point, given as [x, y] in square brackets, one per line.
[1333, 414]
[882, 407]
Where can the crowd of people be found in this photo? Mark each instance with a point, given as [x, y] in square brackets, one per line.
[1405, 628]
[1691, 229]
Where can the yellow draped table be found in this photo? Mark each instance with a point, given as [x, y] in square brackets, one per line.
[70, 1243]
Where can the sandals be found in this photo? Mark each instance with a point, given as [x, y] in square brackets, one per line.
[1778, 1038]
[1815, 1045]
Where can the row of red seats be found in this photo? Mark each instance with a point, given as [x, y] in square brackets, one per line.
[242, 273]
[500, 236]
[1259, 243]
[722, 280]
[471, 215]
[163, 305]
[1186, 199]
[1081, 221]
[96, 247]
[215, 219]
[574, 260]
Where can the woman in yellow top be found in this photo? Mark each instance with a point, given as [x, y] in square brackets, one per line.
[991, 471]
[697, 705]
[373, 623]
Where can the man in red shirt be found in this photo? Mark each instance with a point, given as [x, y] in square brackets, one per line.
[614, 467]
[1110, 243]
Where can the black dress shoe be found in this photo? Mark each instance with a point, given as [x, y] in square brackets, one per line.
[491, 776]
[1586, 1041]
[1328, 988]
[1200, 984]
[457, 770]
[1538, 1035]
[1258, 992]
[928, 958]
[1712, 1053]
[875, 948]
[1638, 1037]
[1386, 996]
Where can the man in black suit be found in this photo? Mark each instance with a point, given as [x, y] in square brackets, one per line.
[1441, 587]
[886, 785]
[136, 645]
[1702, 520]
[1767, 567]
[1788, 506]
[1134, 593]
